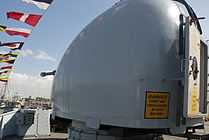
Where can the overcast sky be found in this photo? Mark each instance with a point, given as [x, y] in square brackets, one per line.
[50, 38]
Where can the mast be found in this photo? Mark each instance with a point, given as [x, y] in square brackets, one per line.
[5, 91]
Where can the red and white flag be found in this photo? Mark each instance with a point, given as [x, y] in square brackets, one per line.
[7, 67]
[30, 19]
[15, 31]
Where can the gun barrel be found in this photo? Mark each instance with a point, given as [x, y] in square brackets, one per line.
[43, 74]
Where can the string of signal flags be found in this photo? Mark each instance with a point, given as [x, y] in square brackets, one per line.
[8, 58]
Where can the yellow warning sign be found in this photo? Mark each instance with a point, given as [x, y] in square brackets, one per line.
[195, 41]
[156, 106]
[194, 99]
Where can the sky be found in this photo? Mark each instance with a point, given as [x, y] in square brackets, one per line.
[59, 25]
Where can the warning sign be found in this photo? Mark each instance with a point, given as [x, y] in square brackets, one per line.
[195, 41]
[194, 99]
[156, 106]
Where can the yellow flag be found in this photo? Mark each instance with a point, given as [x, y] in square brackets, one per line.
[10, 61]
[4, 78]
[3, 28]
[9, 54]
[7, 71]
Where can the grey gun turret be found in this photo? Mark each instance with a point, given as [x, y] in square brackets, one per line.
[130, 71]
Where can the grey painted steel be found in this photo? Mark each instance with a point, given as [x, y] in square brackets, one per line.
[78, 131]
[204, 77]
[40, 126]
[105, 73]
[7, 123]
[13, 123]
[186, 66]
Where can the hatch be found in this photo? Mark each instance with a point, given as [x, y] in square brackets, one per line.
[195, 85]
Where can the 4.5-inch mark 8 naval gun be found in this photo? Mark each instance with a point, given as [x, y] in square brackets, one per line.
[138, 67]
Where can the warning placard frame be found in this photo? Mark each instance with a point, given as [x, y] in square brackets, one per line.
[164, 114]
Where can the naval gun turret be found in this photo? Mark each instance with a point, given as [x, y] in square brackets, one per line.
[138, 67]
